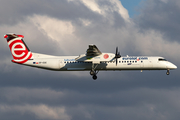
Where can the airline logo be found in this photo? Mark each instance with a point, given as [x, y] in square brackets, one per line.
[106, 56]
[135, 58]
[19, 51]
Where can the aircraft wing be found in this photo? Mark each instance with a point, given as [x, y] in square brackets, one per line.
[93, 51]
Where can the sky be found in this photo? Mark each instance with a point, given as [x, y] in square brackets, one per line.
[132, 6]
[67, 27]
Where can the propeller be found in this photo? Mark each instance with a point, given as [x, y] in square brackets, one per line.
[117, 55]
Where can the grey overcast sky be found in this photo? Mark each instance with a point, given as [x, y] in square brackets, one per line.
[67, 27]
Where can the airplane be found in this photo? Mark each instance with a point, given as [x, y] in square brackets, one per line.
[94, 60]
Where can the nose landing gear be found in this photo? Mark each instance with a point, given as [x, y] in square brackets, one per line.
[167, 73]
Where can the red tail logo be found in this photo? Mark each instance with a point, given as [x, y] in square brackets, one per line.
[19, 50]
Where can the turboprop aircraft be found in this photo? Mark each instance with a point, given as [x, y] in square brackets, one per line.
[94, 60]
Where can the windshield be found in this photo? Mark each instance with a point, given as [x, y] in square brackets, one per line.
[162, 59]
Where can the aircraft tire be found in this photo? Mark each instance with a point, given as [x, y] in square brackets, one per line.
[91, 72]
[94, 77]
[167, 73]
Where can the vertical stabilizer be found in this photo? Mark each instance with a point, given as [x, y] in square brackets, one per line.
[18, 48]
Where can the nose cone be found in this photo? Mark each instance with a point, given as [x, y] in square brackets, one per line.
[171, 66]
[174, 67]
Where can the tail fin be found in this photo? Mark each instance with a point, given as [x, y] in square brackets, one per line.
[18, 48]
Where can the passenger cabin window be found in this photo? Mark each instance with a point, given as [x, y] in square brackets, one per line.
[162, 59]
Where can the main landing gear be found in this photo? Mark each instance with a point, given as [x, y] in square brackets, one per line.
[167, 73]
[93, 72]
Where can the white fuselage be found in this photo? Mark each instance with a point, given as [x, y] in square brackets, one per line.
[68, 63]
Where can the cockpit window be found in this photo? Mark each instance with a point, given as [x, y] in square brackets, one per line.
[162, 59]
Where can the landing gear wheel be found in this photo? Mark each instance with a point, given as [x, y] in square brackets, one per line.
[167, 73]
[94, 77]
[92, 72]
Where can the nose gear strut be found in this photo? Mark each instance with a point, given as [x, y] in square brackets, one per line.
[167, 73]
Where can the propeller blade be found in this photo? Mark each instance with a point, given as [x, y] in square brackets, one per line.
[116, 61]
[116, 51]
[117, 55]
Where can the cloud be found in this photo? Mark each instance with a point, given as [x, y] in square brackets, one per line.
[92, 5]
[147, 103]
[57, 30]
[165, 1]
[39, 111]
[162, 16]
